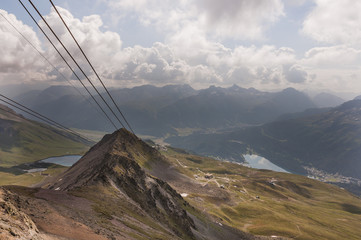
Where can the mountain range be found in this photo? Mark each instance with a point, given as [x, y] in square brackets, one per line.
[172, 109]
[329, 141]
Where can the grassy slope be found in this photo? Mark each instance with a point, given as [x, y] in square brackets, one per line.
[29, 179]
[295, 206]
[24, 141]
[31, 141]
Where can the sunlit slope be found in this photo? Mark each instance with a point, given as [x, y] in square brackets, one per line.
[264, 202]
[121, 177]
[107, 194]
[24, 141]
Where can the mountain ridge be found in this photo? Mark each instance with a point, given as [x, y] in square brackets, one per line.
[159, 111]
[329, 141]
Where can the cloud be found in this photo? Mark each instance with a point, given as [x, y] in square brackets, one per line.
[98, 45]
[335, 22]
[19, 61]
[336, 67]
[295, 74]
[233, 19]
[259, 67]
[196, 61]
[238, 19]
[188, 55]
[333, 57]
[158, 65]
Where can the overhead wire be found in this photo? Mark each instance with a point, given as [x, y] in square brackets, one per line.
[76, 63]
[42, 116]
[72, 70]
[39, 116]
[55, 68]
[26, 119]
[96, 73]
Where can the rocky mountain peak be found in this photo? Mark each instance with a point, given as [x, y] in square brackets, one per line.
[116, 162]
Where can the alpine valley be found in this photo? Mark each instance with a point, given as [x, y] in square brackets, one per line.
[137, 187]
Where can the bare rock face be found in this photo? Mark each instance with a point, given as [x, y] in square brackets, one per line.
[15, 224]
[116, 162]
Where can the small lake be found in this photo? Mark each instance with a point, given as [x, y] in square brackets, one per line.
[258, 162]
[66, 161]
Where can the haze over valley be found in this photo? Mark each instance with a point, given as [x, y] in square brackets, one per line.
[187, 119]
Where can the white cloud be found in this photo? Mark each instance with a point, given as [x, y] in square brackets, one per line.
[335, 67]
[197, 60]
[333, 57]
[334, 21]
[188, 55]
[18, 61]
[98, 45]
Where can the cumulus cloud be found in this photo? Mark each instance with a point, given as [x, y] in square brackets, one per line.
[260, 67]
[333, 21]
[197, 60]
[18, 59]
[98, 45]
[339, 56]
[188, 55]
[335, 67]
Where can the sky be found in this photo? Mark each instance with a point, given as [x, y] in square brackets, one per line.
[265, 44]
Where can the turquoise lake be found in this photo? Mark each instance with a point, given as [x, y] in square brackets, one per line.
[66, 161]
[259, 162]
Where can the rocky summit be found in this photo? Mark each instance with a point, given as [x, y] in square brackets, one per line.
[112, 163]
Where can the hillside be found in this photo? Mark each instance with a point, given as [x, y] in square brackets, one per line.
[328, 141]
[110, 196]
[123, 188]
[22, 140]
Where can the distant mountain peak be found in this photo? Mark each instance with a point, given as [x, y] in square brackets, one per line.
[234, 87]
[324, 99]
[290, 90]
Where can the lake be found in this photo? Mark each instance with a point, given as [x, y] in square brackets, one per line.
[258, 162]
[66, 161]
